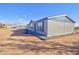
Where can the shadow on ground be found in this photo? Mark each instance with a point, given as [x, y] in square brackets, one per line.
[60, 48]
[20, 32]
[44, 47]
[23, 32]
[41, 47]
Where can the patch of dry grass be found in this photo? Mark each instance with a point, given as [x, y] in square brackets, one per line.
[31, 45]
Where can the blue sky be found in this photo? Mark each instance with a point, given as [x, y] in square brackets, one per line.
[24, 12]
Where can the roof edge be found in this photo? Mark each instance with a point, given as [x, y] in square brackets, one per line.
[56, 16]
[70, 19]
[50, 17]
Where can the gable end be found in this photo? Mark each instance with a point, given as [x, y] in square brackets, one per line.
[70, 19]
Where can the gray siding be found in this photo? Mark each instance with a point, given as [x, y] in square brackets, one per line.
[56, 28]
[69, 27]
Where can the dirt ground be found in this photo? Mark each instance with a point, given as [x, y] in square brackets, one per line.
[17, 42]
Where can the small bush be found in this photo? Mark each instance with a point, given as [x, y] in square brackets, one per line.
[2, 25]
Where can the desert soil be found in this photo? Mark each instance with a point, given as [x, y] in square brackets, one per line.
[17, 42]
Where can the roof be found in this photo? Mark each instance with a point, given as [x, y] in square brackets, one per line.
[54, 18]
[31, 21]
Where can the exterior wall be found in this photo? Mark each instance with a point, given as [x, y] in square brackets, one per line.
[45, 28]
[69, 27]
[53, 27]
[56, 28]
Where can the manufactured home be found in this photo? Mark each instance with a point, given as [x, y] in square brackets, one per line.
[52, 26]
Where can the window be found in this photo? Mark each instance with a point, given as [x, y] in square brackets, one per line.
[40, 26]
